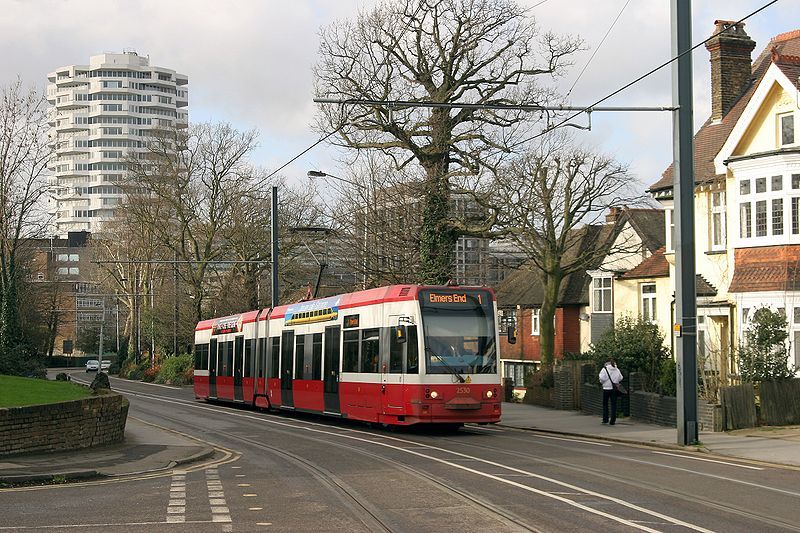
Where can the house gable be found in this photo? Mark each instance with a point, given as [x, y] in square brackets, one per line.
[757, 130]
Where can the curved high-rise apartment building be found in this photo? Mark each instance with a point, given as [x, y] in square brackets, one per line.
[102, 114]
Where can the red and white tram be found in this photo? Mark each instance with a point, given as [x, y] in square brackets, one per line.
[397, 355]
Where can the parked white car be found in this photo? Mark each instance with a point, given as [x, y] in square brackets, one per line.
[92, 365]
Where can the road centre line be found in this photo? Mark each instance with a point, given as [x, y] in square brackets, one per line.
[572, 440]
[461, 467]
[709, 460]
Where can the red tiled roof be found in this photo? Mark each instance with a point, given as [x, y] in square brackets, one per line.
[768, 268]
[655, 266]
[710, 137]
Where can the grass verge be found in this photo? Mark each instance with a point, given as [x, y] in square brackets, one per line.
[18, 392]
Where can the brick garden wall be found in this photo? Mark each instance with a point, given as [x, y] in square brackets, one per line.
[63, 426]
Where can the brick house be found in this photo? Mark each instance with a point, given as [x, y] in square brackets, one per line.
[585, 309]
[747, 193]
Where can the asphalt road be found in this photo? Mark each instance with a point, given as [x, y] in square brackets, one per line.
[304, 473]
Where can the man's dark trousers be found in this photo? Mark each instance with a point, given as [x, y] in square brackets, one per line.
[610, 395]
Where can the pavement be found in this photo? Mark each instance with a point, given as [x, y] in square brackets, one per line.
[148, 449]
[145, 449]
[768, 444]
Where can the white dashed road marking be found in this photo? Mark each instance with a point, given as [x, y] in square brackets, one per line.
[216, 499]
[176, 508]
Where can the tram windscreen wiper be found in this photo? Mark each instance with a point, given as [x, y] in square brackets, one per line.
[446, 365]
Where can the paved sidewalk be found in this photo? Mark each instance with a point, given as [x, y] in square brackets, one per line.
[145, 448]
[768, 444]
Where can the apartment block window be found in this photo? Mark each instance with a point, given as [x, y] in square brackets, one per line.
[777, 183]
[795, 215]
[787, 129]
[761, 218]
[761, 185]
[718, 220]
[535, 321]
[648, 291]
[601, 295]
[777, 216]
[746, 220]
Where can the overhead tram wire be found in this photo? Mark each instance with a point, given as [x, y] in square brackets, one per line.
[643, 76]
[608, 31]
[336, 130]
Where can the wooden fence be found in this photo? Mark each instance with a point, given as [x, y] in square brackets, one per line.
[739, 406]
[780, 402]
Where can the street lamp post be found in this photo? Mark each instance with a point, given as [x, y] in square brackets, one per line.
[320, 174]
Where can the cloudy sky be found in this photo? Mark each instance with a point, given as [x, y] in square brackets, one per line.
[250, 62]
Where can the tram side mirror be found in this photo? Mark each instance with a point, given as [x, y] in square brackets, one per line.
[512, 335]
[400, 334]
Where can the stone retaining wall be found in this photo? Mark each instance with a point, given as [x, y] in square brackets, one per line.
[90, 421]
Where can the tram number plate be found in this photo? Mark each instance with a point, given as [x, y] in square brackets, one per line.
[462, 390]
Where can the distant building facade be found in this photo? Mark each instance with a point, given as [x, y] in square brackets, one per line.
[101, 115]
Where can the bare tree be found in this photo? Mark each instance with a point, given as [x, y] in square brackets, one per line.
[186, 189]
[547, 199]
[451, 51]
[24, 155]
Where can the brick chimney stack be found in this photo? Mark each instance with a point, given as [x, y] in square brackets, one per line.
[613, 214]
[730, 65]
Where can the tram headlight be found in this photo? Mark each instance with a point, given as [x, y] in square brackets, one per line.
[489, 394]
[434, 394]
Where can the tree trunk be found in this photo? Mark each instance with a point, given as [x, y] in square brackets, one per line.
[551, 283]
[437, 238]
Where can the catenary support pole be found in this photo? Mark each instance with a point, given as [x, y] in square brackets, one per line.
[274, 216]
[683, 187]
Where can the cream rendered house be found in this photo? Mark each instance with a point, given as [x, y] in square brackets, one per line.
[747, 195]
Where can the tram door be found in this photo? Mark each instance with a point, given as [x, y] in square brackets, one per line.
[212, 369]
[238, 362]
[392, 373]
[287, 350]
[333, 353]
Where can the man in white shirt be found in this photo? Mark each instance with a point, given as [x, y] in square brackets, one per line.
[609, 377]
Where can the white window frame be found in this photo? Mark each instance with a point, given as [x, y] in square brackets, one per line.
[781, 118]
[648, 302]
[535, 315]
[598, 294]
[669, 213]
[717, 218]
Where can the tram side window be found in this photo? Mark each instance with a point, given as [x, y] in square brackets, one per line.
[316, 356]
[262, 357]
[238, 353]
[201, 356]
[350, 356]
[275, 356]
[299, 356]
[370, 350]
[249, 344]
[395, 353]
[412, 351]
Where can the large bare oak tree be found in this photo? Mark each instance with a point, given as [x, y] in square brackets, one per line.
[451, 51]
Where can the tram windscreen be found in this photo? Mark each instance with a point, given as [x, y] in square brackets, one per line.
[458, 329]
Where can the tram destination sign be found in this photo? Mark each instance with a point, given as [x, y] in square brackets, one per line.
[439, 298]
[228, 324]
